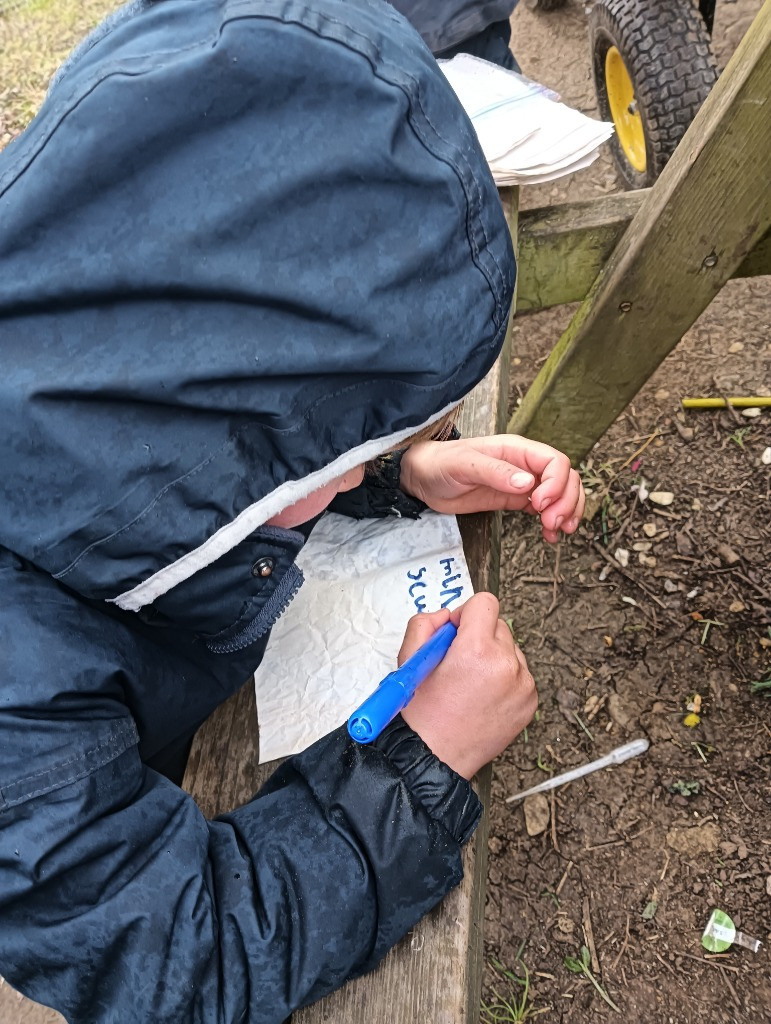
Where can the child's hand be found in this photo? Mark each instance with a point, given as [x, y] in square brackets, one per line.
[481, 474]
[480, 697]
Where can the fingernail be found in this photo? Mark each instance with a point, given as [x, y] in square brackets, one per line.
[521, 480]
[544, 504]
[558, 522]
[573, 523]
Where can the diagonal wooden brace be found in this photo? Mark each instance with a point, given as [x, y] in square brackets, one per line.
[707, 211]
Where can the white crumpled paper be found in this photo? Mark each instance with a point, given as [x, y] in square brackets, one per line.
[341, 634]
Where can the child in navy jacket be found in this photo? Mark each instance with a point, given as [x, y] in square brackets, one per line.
[246, 247]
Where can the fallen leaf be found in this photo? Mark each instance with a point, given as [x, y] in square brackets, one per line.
[737, 346]
[736, 606]
[594, 500]
[727, 553]
[608, 641]
[649, 529]
[650, 910]
[662, 497]
[751, 413]
[642, 545]
[618, 711]
[536, 808]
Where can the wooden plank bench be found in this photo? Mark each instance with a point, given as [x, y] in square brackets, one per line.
[435, 973]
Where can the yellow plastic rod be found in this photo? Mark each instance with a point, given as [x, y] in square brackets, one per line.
[720, 403]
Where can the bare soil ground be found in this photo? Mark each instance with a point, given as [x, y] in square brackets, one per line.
[631, 860]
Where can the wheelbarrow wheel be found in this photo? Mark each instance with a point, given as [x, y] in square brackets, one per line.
[653, 68]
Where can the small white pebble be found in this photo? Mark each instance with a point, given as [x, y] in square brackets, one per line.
[622, 557]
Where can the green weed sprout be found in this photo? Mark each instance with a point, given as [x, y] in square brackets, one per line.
[582, 967]
[515, 1008]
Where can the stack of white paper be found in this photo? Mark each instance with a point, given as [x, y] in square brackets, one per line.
[526, 134]
[340, 636]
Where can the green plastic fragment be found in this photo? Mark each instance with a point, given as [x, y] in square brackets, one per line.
[720, 932]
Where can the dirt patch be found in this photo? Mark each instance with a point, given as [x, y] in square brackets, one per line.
[633, 859]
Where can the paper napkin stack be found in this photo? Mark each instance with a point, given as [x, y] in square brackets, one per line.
[526, 134]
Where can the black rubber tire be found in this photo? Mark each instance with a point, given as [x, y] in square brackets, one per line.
[545, 5]
[665, 47]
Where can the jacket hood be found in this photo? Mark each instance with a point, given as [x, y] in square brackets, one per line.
[244, 246]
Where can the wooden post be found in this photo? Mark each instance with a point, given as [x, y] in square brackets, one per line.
[707, 211]
[435, 973]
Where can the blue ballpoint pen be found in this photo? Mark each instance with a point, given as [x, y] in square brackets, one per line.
[397, 689]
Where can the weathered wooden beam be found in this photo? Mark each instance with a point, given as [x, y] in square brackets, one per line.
[707, 211]
[563, 248]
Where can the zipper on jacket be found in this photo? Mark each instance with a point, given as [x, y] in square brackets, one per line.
[276, 604]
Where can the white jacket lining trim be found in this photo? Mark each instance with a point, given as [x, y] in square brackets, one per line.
[256, 515]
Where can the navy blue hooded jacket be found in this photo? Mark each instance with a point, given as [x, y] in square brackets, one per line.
[245, 246]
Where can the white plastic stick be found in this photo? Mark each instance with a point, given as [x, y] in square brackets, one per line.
[617, 756]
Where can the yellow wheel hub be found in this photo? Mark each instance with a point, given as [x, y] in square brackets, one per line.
[623, 107]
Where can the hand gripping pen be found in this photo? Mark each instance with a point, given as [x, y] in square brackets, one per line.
[397, 689]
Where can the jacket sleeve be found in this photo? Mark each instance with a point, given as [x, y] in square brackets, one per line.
[120, 902]
[379, 494]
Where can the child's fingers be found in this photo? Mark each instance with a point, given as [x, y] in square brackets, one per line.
[572, 523]
[420, 628]
[564, 507]
[478, 616]
[474, 468]
[554, 481]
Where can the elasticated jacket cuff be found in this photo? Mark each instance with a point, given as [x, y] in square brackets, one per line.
[379, 495]
[447, 796]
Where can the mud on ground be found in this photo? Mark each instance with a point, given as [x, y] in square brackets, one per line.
[632, 860]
